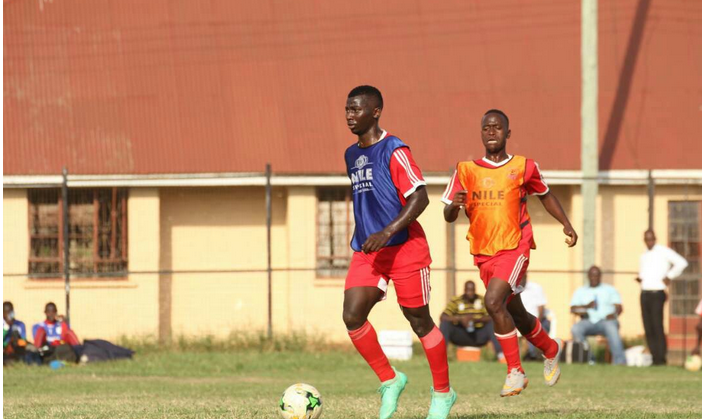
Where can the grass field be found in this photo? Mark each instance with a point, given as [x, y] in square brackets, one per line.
[248, 384]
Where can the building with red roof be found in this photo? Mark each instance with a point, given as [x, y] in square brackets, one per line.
[165, 114]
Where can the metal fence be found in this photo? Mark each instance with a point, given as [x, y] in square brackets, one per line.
[81, 235]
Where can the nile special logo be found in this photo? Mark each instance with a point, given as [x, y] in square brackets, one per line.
[362, 177]
[360, 162]
[486, 196]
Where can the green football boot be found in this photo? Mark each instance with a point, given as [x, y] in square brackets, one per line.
[389, 394]
[441, 404]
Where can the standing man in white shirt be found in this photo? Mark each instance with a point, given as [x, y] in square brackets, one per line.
[658, 266]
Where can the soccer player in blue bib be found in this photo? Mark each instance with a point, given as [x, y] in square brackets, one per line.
[389, 244]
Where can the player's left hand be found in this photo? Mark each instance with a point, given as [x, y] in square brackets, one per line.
[572, 236]
[376, 241]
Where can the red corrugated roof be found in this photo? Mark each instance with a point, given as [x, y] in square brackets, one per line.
[161, 86]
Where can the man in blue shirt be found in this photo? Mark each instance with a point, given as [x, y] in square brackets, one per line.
[599, 305]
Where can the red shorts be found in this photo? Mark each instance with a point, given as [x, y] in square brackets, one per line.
[507, 265]
[413, 288]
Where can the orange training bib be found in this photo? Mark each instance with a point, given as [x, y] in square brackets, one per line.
[493, 205]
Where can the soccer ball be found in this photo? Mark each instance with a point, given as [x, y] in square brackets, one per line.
[300, 401]
[693, 363]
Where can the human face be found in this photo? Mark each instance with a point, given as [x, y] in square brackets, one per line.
[50, 312]
[361, 114]
[469, 290]
[650, 239]
[494, 133]
[8, 313]
[595, 276]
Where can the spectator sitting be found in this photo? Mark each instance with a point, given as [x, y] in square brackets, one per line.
[465, 321]
[534, 301]
[14, 335]
[599, 305]
[54, 337]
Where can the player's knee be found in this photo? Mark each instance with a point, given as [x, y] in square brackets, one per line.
[353, 320]
[494, 305]
[421, 327]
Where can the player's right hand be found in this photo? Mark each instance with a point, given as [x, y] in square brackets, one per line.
[460, 199]
[572, 238]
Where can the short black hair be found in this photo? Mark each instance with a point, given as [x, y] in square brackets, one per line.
[50, 304]
[8, 303]
[367, 91]
[497, 111]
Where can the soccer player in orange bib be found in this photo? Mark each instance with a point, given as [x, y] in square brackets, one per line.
[493, 191]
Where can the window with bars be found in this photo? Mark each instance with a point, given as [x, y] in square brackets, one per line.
[97, 225]
[335, 226]
[684, 237]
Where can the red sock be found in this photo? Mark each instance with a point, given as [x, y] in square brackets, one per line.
[366, 342]
[435, 349]
[539, 338]
[510, 347]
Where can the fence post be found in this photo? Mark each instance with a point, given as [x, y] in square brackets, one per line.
[651, 196]
[268, 249]
[66, 244]
[450, 261]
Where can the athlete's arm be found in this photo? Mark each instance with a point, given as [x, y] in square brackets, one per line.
[553, 206]
[416, 204]
[536, 185]
[453, 318]
[458, 319]
[455, 197]
[452, 210]
[582, 309]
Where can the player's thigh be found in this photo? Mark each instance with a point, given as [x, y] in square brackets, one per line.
[413, 289]
[362, 273]
[364, 287]
[509, 267]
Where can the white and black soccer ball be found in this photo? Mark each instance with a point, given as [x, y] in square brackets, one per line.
[693, 363]
[300, 401]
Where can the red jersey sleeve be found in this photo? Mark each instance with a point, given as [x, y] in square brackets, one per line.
[453, 186]
[533, 179]
[405, 173]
